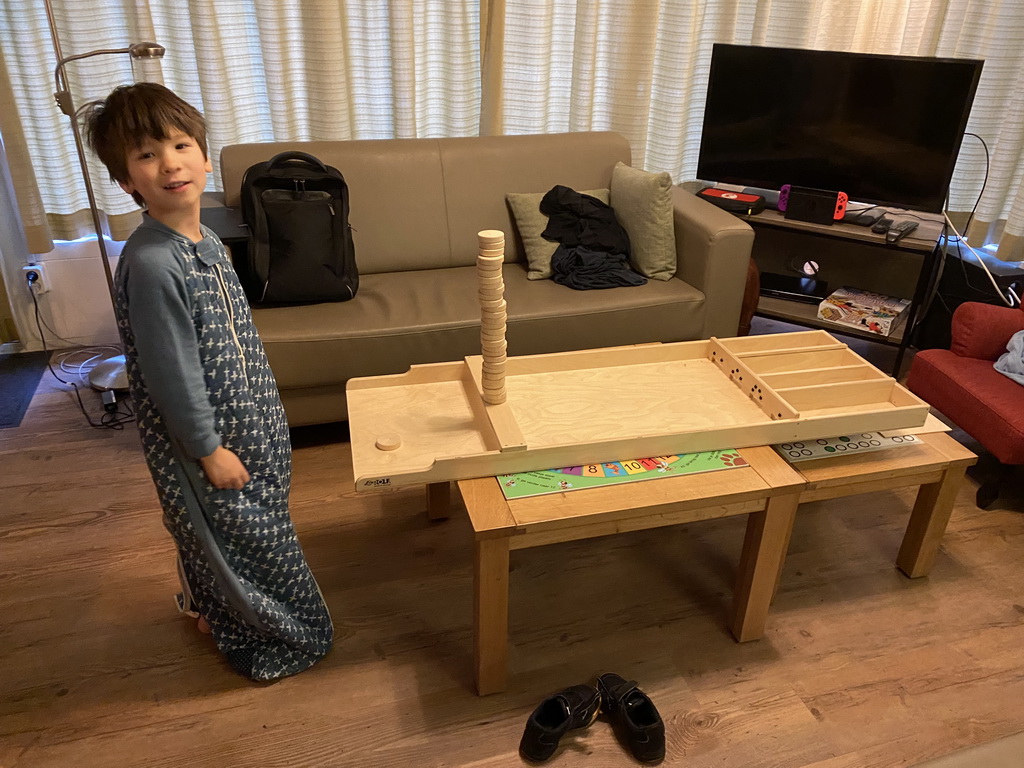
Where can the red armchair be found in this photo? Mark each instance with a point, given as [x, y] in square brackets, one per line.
[962, 384]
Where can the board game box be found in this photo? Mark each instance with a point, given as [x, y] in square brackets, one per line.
[523, 484]
[872, 312]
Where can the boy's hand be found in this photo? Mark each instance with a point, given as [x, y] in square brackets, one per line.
[224, 469]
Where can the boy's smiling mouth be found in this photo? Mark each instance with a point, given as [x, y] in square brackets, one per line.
[175, 185]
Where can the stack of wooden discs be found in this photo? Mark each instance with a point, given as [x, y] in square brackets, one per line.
[492, 313]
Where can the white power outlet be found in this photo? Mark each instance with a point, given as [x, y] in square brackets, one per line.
[39, 285]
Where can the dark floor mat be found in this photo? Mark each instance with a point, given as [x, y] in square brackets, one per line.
[19, 377]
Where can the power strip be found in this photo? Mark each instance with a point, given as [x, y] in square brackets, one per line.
[836, 446]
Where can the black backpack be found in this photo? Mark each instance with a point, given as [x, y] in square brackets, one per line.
[300, 243]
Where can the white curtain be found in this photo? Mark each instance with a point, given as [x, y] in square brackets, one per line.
[264, 70]
[259, 70]
[640, 67]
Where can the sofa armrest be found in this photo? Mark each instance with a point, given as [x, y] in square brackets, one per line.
[982, 331]
[712, 253]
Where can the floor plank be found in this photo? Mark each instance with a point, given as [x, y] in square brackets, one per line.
[860, 667]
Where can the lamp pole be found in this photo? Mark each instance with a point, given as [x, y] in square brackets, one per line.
[110, 373]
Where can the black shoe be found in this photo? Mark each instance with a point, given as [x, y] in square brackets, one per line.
[575, 707]
[634, 717]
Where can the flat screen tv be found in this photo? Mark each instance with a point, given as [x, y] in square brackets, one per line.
[882, 129]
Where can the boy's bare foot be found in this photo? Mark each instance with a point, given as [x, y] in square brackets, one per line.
[204, 628]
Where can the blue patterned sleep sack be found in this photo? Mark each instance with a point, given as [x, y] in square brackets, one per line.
[197, 370]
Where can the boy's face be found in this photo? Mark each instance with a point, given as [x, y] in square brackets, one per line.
[169, 174]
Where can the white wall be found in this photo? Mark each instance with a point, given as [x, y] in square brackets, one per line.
[77, 307]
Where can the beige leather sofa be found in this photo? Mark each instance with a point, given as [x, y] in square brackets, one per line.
[416, 206]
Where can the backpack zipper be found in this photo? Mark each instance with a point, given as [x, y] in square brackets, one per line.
[300, 189]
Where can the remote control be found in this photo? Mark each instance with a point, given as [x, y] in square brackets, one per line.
[900, 230]
[881, 226]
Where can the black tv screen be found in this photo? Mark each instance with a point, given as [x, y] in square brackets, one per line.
[882, 129]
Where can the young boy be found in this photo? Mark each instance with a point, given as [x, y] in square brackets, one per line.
[208, 410]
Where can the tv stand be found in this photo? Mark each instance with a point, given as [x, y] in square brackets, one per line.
[848, 255]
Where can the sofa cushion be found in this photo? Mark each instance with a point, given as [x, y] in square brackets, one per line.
[979, 399]
[530, 223]
[396, 193]
[478, 171]
[643, 205]
[405, 318]
[983, 330]
[418, 203]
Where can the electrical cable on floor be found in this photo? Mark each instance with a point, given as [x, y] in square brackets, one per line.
[82, 369]
[114, 418]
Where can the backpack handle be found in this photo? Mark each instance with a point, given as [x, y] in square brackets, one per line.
[287, 157]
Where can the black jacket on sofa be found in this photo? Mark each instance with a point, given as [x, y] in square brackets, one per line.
[593, 249]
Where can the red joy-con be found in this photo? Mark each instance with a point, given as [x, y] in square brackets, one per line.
[841, 201]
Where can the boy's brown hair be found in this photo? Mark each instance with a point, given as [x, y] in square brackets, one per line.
[133, 113]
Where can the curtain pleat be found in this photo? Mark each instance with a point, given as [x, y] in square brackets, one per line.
[640, 67]
[259, 70]
[492, 56]
[274, 70]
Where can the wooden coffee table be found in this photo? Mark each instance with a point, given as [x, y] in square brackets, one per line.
[768, 491]
[937, 464]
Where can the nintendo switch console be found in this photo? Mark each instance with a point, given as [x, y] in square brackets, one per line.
[817, 206]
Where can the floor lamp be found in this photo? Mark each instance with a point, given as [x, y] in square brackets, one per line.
[109, 373]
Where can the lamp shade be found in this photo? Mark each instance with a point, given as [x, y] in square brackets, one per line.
[146, 51]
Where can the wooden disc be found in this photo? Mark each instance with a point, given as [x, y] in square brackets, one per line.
[389, 441]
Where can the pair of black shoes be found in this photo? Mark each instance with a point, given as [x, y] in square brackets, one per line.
[633, 714]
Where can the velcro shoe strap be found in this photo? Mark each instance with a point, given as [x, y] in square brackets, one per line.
[622, 690]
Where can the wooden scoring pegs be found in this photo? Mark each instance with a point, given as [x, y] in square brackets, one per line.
[491, 290]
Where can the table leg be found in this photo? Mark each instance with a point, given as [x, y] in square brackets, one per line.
[439, 500]
[490, 614]
[764, 551]
[927, 524]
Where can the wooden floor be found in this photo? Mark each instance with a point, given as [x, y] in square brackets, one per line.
[860, 666]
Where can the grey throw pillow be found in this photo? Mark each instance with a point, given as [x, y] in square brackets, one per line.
[642, 203]
[531, 222]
